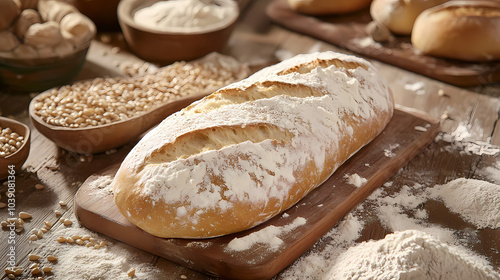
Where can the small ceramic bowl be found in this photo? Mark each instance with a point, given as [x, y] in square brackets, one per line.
[39, 74]
[30, 75]
[165, 47]
[15, 161]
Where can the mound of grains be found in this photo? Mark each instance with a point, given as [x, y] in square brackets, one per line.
[10, 141]
[105, 100]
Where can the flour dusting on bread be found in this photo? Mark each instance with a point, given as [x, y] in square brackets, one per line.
[254, 148]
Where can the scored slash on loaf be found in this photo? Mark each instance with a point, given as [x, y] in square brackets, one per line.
[252, 149]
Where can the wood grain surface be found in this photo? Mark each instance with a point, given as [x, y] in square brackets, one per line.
[349, 32]
[322, 208]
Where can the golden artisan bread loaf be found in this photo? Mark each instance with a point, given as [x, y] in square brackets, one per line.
[463, 30]
[399, 15]
[328, 7]
[252, 149]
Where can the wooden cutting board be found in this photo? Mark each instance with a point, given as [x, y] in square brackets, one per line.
[349, 32]
[403, 138]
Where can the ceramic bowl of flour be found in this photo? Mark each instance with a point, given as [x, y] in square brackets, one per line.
[175, 30]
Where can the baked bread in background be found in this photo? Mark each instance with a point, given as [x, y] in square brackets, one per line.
[9, 10]
[249, 151]
[328, 7]
[463, 30]
[399, 15]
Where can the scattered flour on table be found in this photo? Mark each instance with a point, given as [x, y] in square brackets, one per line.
[492, 172]
[316, 263]
[460, 140]
[268, 236]
[110, 262]
[409, 255]
[366, 42]
[477, 201]
[355, 180]
[101, 186]
[402, 213]
[389, 152]
[418, 87]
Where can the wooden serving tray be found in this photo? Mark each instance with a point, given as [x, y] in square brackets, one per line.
[407, 133]
[349, 32]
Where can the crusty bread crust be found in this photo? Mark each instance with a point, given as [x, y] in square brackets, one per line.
[328, 7]
[253, 149]
[463, 30]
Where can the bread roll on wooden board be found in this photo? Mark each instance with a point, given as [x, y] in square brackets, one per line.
[463, 30]
[399, 15]
[253, 149]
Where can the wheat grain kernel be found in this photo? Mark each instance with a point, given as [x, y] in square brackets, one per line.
[34, 265]
[35, 271]
[39, 234]
[33, 257]
[18, 271]
[85, 237]
[9, 271]
[24, 215]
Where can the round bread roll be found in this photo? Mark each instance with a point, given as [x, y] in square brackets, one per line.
[463, 30]
[328, 7]
[27, 18]
[77, 28]
[40, 35]
[399, 15]
[9, 10]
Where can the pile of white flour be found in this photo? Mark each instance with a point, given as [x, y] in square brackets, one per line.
[418, 249]
[477, 201]
[409, 254]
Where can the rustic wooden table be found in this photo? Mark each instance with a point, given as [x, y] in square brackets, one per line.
[473, 111]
